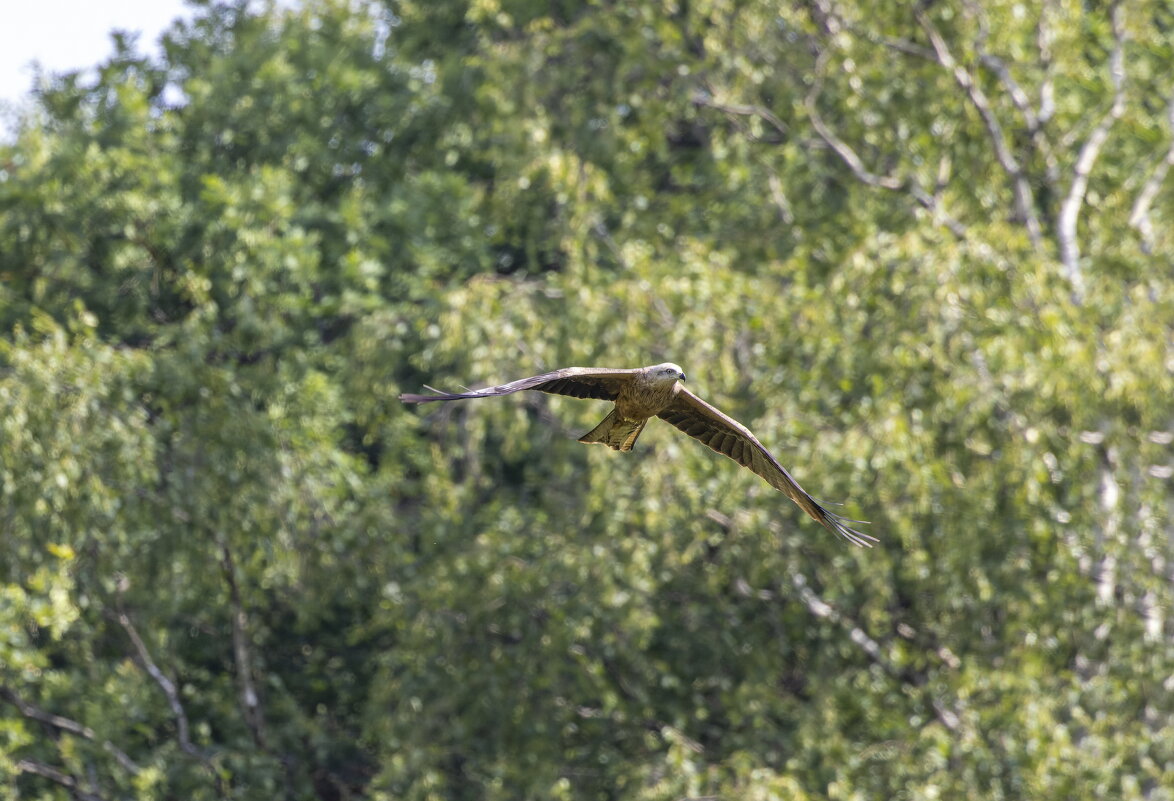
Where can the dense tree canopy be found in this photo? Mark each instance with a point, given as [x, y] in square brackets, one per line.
[923, 250]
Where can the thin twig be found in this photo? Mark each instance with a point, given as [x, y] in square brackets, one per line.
[848, 155]
[600, 230]
[903, 46]
[736, 110]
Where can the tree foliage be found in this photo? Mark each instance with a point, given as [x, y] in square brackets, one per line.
[923, 251]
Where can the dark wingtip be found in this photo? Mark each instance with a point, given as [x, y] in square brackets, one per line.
[840, 525]
[409, 397]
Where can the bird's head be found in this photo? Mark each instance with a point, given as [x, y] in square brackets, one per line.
[667, 372]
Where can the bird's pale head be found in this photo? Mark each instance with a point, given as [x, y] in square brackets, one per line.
[667, 372]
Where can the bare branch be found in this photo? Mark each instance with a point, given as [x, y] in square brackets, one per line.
[780, 200]
[932, 204]
[60, 777]
[818, 607]
[845, 151]
[1014, 91]
[251, 707]
[34, 713]
[663, 729]
[903, 46]
[821, 609]
[600, 229]
[250, 700]
[1070, 208]
[31, 711]
[735, 111]
[183, 735]
[1139, 218]
[854, 163]
[1024, 204]
[1035, 127]
[165, 684]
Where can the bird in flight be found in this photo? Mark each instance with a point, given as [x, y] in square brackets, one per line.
[645, 392]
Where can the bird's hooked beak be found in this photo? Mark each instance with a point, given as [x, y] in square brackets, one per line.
[681, 376]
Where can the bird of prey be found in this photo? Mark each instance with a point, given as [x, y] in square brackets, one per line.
[645, 392]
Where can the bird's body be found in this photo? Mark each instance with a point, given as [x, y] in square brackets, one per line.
[651, 391]
[642, 393]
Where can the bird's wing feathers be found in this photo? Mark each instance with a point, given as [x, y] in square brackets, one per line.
[730, 438]
[687, 412]
[602, 383]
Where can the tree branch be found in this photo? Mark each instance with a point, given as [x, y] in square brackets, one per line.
[845, 151]
[1108, 533]
[250, 700]
[165, 684]
[1014, 91]
[854, 163]
[818, 607]
[825, 18]
[996, 65]
[737, 110]
[1035, 126]
[59, 777]
[903, 46]
[1070, 208]
[1139, 217]
[183, 735]
[1024, 203]
[780, 200]
[32, 712]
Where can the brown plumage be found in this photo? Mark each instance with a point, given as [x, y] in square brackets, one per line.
[646, 392]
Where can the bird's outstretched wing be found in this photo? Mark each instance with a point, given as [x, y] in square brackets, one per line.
[730, 438]
[602, 383]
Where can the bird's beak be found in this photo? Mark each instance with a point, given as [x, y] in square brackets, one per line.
[682, 376]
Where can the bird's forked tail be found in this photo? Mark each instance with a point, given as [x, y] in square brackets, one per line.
[615, 432]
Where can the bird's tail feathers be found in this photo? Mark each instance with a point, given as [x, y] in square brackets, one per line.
[615, 432]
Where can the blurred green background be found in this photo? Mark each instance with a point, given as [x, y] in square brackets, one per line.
[923, 251]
